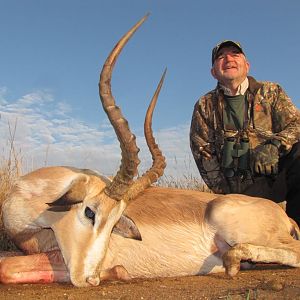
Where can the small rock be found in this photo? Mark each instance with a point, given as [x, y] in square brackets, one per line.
[273, 285]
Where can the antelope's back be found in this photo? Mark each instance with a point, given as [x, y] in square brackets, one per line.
[158, 205]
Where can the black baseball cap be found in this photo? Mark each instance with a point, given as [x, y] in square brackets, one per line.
[224, 44]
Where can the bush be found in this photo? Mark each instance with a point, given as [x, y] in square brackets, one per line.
[10, 163]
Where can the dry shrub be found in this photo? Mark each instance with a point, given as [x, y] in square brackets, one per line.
[10, 162]
[187, 182]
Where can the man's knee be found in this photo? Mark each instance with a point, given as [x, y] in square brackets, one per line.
[296, 149]
[293, 156]
[294, 215]
[290, 165]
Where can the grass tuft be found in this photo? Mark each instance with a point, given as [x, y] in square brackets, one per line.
[10, 170]
[186, 182]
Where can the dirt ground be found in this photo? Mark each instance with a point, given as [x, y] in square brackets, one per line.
[266, 282]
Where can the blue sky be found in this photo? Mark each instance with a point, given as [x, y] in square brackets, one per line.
[52, 52]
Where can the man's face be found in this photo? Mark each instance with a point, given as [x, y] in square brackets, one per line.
[230, 65]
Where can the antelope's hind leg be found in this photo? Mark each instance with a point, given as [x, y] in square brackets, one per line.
[46, 267]
[288, 254]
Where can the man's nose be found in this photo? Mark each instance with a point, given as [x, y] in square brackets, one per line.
[229, 57]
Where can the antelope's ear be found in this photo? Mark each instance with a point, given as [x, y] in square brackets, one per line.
[127, 229]
[73, 194]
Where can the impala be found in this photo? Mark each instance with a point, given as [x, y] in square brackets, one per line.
[75, 225]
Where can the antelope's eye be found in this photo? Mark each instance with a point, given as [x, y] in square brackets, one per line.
[89, 214]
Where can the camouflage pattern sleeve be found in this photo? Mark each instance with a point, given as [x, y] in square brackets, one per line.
[286, 119]
[199, 135]
[202, 146]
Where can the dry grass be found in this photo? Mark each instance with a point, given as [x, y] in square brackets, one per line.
[186, 182]
[10, 164]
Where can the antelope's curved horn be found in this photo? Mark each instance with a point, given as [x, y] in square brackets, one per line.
[159, 161]
[130, 161]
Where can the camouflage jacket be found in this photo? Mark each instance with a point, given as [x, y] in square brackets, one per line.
[271, 116]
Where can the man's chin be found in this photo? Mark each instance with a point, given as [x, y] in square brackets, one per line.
[230, 75]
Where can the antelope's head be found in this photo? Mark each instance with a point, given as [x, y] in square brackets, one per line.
[83, 233]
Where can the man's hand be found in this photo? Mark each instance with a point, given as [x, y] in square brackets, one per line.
[265, 159]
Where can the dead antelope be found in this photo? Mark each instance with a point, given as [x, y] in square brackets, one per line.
[77, 226]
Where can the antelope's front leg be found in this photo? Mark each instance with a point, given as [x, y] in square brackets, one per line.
[285, 254]
[46, 267]
[116, 273]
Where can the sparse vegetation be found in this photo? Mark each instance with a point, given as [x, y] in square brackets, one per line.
[187, 182]
[185, 179]
[10, 169]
